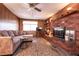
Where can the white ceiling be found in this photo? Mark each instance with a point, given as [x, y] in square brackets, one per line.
[23, 10]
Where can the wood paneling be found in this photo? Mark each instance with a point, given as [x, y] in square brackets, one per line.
[64, 12]
[40, 24]
[5, 14]
[71, 22]
[20, 25]
[68, 19]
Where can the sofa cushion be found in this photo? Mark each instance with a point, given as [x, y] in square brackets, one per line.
[21, 33]
[17, 38]
[11, 33]
[4, 33]
[16, 33]
[24, 33]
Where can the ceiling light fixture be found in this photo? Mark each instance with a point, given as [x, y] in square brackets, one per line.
[69, 8]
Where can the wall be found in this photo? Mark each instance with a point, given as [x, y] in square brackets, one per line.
[63, 12]
[70, 22]
[7, 16]
[40, 24]
[68, 19]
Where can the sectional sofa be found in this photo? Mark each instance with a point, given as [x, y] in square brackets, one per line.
[10, 41]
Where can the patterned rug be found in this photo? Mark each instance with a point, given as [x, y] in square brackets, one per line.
[39, 47]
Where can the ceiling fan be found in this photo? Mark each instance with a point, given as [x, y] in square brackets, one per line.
[33, 5]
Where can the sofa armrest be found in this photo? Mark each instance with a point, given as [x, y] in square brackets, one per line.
[6, 46]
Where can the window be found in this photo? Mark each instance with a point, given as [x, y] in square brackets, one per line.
[30, 25]
[8, 25]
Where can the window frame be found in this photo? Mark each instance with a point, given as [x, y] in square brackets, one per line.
[30, 25]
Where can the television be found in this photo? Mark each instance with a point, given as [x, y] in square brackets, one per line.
[59, 32]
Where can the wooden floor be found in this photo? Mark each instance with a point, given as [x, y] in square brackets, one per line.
[39, 47]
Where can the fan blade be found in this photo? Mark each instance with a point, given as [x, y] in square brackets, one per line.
[37, 9]
[33, 4]
[30, 5]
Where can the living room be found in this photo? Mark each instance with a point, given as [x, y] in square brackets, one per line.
[39, 29]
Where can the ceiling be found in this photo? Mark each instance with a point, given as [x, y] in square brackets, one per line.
[22, 10]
